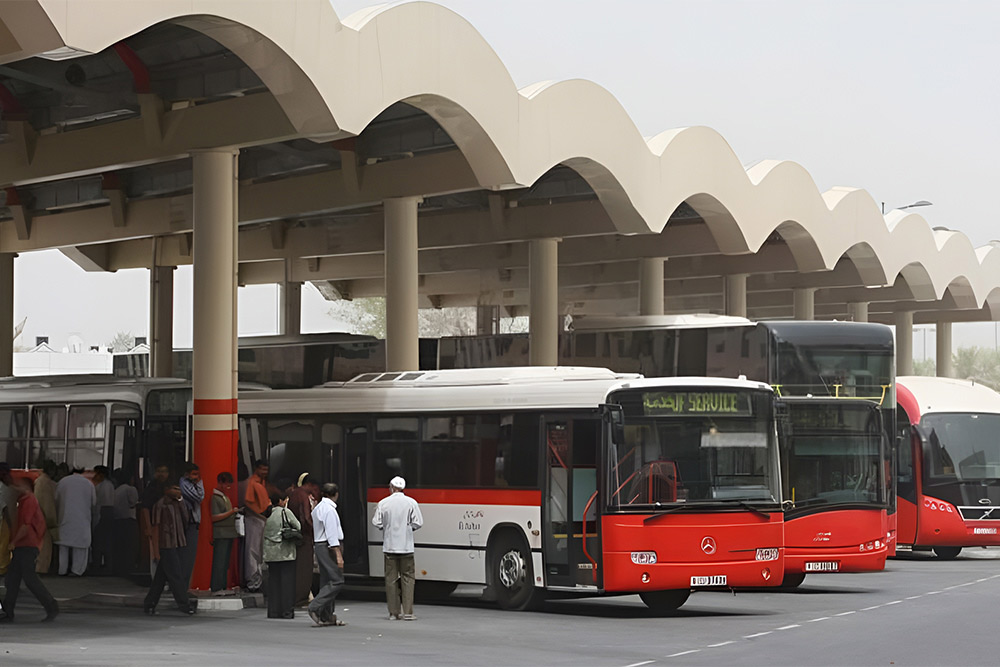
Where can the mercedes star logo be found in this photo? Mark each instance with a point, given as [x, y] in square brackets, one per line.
[708, 545]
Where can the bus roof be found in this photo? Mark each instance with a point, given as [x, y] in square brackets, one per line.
[831, 334]
[90, 388]
[536, 388]
[629, 323]
[945, 395]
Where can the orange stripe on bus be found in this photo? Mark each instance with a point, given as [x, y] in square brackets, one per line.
[215, 406]
[465, 496]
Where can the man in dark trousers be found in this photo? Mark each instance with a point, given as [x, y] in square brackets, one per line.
[193, 493]
[169, 520]
[328, 534]
[29, 531]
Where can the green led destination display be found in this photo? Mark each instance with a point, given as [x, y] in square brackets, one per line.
[696, 403]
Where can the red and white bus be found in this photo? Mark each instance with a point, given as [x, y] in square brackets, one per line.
[949, 464]
[533, 480]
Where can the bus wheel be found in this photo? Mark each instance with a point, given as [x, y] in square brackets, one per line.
[512, 575]
[947, 553]
[793, 579]
[665, 601]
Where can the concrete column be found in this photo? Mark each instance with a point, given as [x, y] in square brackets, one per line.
[734, 295]
[487, 320]
[904, 343]
[651, 286]
[804, 303]
[401, 337]
[6, 314]
[290, 307]
[543, 302]
[945, 365]
[161, 321]
[858, 311]
[214, 372]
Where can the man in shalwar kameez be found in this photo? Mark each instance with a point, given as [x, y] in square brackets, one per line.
[76, 499]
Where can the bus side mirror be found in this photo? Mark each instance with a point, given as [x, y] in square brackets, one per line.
[615, 416]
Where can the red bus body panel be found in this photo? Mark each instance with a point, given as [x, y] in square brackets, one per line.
[677, 540]
[906, 532]
[854, 539]
[940, 524]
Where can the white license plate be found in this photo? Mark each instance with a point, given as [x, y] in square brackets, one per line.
[823, 566]
[767, 554]
[984, 531]
[714, 580]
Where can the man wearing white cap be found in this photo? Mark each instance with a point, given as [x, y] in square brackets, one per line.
[397, 516]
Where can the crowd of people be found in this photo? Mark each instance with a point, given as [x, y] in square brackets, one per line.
[289, 537]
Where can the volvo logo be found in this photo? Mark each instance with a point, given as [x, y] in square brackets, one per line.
[708, 545]
[985, 501]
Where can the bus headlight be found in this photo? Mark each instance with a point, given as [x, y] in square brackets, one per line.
[644, 557]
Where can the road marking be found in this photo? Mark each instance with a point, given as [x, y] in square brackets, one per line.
[933, 592]
[968, 583]
[872, 607]
[983, 579]
[893, 602]
[677, 655]
[719, 644]
[817, 620]
[759, 634]
[914, 597]
[789, 627]
[846, 613]
[640, 664]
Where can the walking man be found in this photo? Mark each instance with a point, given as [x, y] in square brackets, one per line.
[169, 519]
[328, 534]
[397, 516]
[193, 492]
[75, 503]
[29, 530]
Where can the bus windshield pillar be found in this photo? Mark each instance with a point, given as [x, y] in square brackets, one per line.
[804, 303]
[735, 295]
[402, 348]
[543, 302]
[858, 311]
[945, 366]
[161, 321]
[651, 286]
[6, 313]
[214, 363]
[290, 298]
[904, 343]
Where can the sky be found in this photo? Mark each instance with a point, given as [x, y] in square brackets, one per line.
[896, 97]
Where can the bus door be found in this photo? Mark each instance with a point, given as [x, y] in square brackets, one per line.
[353, 503]
[124, 441]
[571, 545]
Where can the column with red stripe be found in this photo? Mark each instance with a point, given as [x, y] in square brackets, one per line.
[214, 365]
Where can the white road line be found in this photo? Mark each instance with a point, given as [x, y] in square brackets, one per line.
[933, 592]
[789, 627]
[677, 655]
[759, 634]
[893, 602]
[968, 583]
[817, 620]
[719, 644]
[914, 597]
[846, 613]
[872, 607]
[983, 579]
[640, 664]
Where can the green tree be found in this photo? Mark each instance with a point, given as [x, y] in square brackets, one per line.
[924, 367]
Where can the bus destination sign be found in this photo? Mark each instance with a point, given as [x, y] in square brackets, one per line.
[696, 403]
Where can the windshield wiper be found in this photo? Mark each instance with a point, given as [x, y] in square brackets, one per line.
[705, 505]
[668, 510]
[745, 505]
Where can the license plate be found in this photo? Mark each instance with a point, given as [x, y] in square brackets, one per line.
[984, 531]
[714, 580]
[767, 554]
[823, 566]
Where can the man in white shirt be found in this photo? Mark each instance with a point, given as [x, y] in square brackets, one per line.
[327, 534]
[397, 516]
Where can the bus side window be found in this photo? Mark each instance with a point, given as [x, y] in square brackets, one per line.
[13, 436]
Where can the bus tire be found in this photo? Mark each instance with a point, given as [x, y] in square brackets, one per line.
[665, 601]
[947, 553]
[793, 579]
[512, 574]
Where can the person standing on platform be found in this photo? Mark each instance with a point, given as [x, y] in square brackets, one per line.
[257, 502]
[328, 534]
[45, 494]
[29, 530]
[103, 533]
[76, 499]
[301, 502]
[223, 531]
[8, 514]
[152, 492]
[193, 492]
[279, 554]
[126, 528]
[169, 519]
[397, 516]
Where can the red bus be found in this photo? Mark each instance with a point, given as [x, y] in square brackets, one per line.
[949, 464]
[571, 481]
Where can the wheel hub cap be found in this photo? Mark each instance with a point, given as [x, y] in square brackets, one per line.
[511, 569]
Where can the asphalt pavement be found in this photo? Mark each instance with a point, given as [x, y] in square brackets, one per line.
[920, 611]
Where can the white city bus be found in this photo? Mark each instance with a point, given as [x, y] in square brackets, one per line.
[577, 480]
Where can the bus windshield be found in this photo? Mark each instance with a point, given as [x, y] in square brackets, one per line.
[827, 371]
[962, 446]
[833, 453]
[699, 446]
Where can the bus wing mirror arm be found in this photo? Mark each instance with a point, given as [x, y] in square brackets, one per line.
[615, 416]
